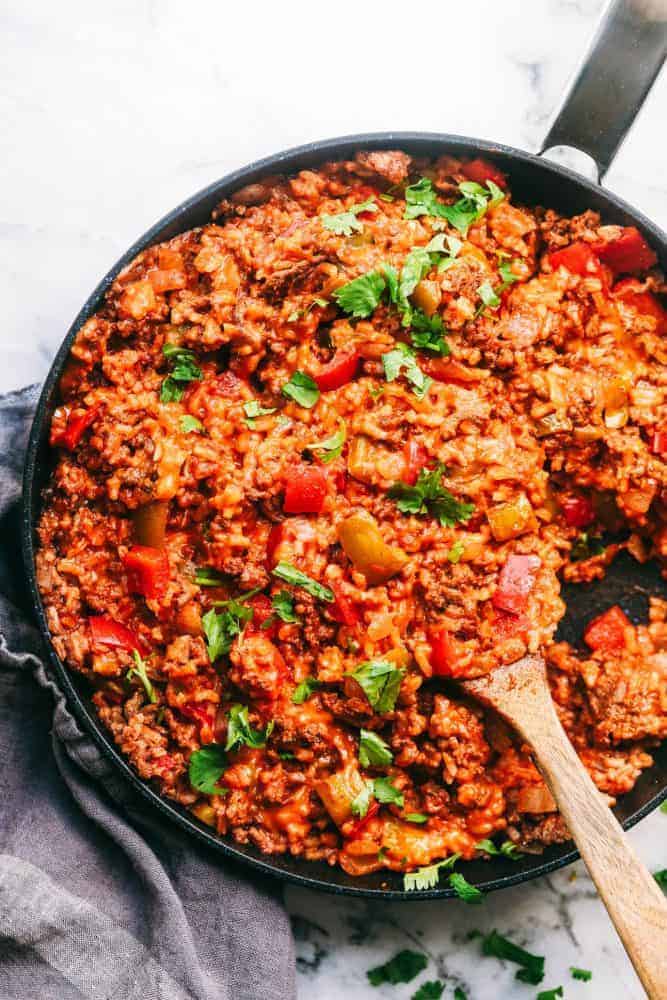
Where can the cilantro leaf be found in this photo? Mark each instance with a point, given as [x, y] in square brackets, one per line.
[402, 968]
[290, 574]
[431, 990]
[302, 389]
[421, 199]
[416, 818]
[403, 360]
[283, 605]
[460, 994]
[506, 273]
[417, 263]
[427, 333]
[488, 296]
[361, 296]
[240, 732]
[584, 975]
[190, 424]
[139, 671]
[428, 495]
[221, 629]
[380, 681]
[185, 369]
[361, 803]
[304, 690]
[464, 890]
[660, 877]
[206, 576]
[332, 446]
[373, 751]
[254, 409]
[532, 966]
[386, 793]
[507, 848]
[456, 551]
[550, 994]
[205, 768]
[428, 876]
[345, 223]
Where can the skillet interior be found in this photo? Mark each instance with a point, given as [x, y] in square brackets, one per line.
[533, 181]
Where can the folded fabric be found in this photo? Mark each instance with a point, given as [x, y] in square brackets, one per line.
[100, 897]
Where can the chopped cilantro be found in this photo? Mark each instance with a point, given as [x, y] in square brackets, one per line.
[550, 994]
[431, 990]
[429, 496]
[373, 751]
[361, 296]
[190, 424]
[402, 968]
[583, 975]
[139, 671]
[660, 877]
[403, 360]
[205, 768]
[464, 890]
[427, 333]
[302, 389]
[421, 199]
[506, 273]
[429, 876]
[416, 818]
[240, 732]
[221, 629]
[290, 574]
[507, 848]
[386, 793]
[332, 446]
[345, 223]
[283, 605]
[532, 966]
[380, 681]
[254, 409]
[456, 551]
[185, 369]
[304, 690]
[361, 804]
[460, 994]
[206, 576]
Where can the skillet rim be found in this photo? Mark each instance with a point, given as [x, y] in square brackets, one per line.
[283, 162]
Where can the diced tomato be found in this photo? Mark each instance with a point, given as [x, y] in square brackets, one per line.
[445, 655]
[204, 715]
[658, 441]
[577, 511]
[358, 827]
[107, 632]
[507, 625]
[305, 490]
[607, 631]
[147, 571]
[516, 580]
[481, 171]
[340, 370]
[416, 458]
[343, 610]
[272, 542]
[262, 611]
[646, 304]
[578, 258]
[627, 253]
[69, 425]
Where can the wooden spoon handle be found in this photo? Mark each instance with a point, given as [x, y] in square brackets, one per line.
[633, 899]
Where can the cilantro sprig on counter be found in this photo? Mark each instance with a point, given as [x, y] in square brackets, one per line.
[402, 968]
[531, 966]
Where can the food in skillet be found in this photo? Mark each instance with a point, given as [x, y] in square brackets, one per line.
[320, 457]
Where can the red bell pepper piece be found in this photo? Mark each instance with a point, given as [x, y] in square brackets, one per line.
[147, 571]
[516, 580]
[627, 253]
[481, 171]
[107, 632]
[305, 490]
[577, 511]
[262, 612]
[69, 425]
[658, 441]
[646, 304]
[444, 658]
[204, 715]
[358, 827]
[507, 625]
[607, 631]
[341, 369]
[274, 539]
[343, 610]
[416, 458]
[578, 258]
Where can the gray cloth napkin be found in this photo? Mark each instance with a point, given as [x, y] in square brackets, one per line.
[97, 901]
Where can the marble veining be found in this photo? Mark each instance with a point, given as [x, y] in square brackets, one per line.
[113, 113]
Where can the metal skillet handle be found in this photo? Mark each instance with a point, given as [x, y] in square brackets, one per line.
[609, 89]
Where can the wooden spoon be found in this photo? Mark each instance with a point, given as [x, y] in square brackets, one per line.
[520, 693]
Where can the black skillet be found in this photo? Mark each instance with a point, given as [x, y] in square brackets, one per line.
[601, 105]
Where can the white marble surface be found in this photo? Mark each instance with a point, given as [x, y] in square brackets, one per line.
[112, 113]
